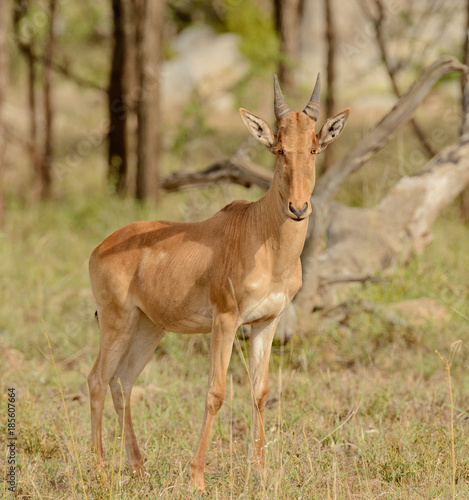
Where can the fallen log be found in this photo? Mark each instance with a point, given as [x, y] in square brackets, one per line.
[366, 241]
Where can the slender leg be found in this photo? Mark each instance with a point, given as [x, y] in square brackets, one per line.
[140, 349]
[262, 336]
[221, 345]
[115, 334]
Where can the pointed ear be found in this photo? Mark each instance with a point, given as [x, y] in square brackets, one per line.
[258, 128]
[332, 128]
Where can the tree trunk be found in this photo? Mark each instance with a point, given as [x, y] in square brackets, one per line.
[140, 16]
[117, 152]
[4, 18]
[25, 46]
[156, 18]
[46, 160]
[148, 29]
[287, 20]
[464, 198]
[330, 91]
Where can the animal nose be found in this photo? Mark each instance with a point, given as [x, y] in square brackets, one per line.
[296, 212]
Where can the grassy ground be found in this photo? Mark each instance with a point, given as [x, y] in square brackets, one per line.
[357, 409]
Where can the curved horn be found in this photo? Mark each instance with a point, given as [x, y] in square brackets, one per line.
[280, 106]
[312, 108]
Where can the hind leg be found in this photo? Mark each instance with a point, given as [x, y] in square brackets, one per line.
[140, 349]
[115, 331]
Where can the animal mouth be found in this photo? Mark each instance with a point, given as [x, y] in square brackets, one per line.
[297, 219]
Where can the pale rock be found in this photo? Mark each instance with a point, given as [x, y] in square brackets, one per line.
[207, 64]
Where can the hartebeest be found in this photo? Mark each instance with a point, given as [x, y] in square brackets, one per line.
[241, 266]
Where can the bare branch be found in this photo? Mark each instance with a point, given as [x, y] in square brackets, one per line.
[61, 68]
[332, 179]
[401, 224]
[355, 278]
[386, 129]
[238, 170]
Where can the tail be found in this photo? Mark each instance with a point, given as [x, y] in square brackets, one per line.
[96, 316]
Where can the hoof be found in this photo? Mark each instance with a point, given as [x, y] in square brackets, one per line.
[101, 474]
[196, 479]
[197, 483]
[140, 472]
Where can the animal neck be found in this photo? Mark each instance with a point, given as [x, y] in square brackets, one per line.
[284, 236]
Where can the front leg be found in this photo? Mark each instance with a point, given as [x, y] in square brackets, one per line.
[262, 336]
[221, 345]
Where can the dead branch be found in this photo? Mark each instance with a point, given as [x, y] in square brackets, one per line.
[401, 225]
[64, 69]
[61, 68]
[356, 278]
[333, 178]
[238, 169]
[386, 129]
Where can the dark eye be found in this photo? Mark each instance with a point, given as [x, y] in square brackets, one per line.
[314, 151]
[280, 151]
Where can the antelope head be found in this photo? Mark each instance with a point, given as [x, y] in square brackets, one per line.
[296, 145]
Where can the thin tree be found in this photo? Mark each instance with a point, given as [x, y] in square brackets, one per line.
[288, 14]
[464, 198]
[45, 165]
[117, 150]
[139, 10]
[4, 17]
[21, 8]
[330, 90]
[148, 22]
[155, 35]
[156, 30]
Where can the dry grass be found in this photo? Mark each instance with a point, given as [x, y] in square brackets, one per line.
[359, 409]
